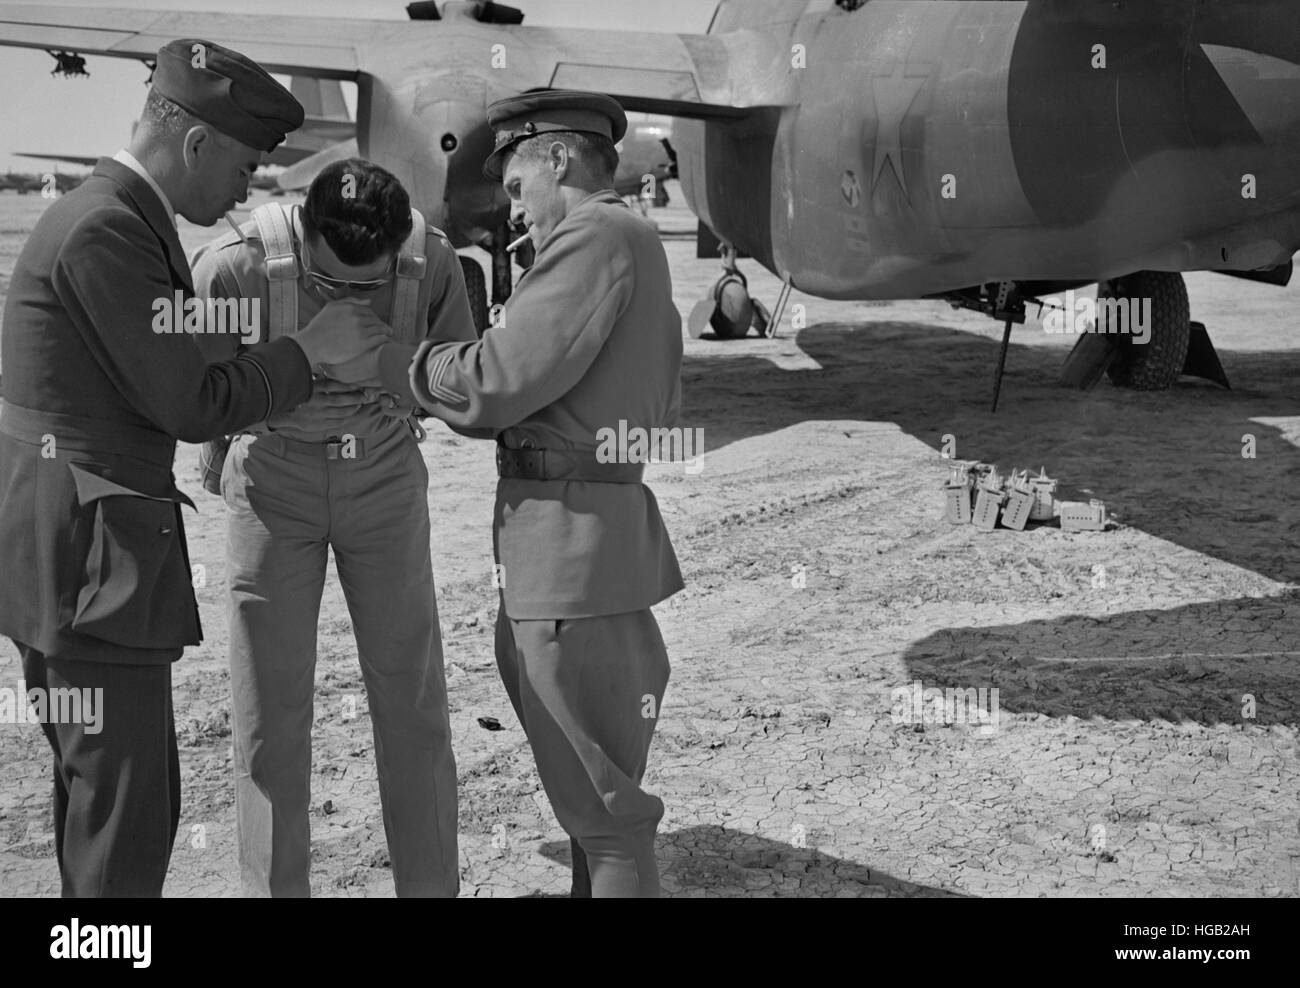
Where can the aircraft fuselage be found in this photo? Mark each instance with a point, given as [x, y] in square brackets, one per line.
[916, 148]
[910, 148]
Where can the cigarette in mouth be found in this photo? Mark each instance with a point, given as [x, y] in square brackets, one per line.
[515, 245]
[231, 220]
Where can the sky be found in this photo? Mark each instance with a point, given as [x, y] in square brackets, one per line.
[93, 116]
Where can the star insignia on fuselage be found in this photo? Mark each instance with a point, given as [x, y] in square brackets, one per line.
[894, 95]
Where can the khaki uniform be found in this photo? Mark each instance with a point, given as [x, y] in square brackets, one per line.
[590, 337]
[292, 495]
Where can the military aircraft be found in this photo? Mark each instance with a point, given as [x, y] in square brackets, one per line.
[47, 183]
[987, 153]
[22, 184]
[646, 161]
[262, 178]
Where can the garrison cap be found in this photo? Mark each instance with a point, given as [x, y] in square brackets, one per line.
[547, 112]
[227, 90]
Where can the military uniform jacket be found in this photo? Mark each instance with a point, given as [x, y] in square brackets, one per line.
[90, 524]
[590, 337]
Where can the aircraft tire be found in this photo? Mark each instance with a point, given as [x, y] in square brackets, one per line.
[735, 309]
[476, 287]
[1155, 365]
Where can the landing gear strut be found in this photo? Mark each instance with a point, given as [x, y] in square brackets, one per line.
[476, 289]
[1010, 308]
[502, 274]
[1001, 301]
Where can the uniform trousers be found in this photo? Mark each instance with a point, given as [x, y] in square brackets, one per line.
[117, 786]
[587, 692]
[288, 504]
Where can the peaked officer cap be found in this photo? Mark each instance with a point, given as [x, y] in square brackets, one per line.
[547, 112]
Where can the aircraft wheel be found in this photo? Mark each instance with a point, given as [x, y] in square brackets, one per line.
[1156, 364]
[476, 287]
[735, 309]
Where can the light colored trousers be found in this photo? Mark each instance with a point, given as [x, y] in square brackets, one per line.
[587, 692]
[288, 503]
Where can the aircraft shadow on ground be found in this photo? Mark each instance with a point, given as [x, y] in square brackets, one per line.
[725, 862]
[1146, 664]
[933, 380]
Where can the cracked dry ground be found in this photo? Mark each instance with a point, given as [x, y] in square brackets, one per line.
[1121, 765]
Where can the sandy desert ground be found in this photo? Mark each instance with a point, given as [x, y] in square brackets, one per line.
[1122, 763]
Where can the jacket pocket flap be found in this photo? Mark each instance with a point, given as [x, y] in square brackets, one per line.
[134, 585]
[91, 487]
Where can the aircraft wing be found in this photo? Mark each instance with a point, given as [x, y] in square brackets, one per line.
[676, 74]
[71, 159]
[314, 135]
[681, 75]
[324, 48]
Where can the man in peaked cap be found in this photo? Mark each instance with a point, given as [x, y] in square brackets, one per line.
[554, 111]
[97, 592]
[591, 341]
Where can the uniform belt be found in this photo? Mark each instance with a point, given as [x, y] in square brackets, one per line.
[102, 435]
[569, 464]
[333, 448]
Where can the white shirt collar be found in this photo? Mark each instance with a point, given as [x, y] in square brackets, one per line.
[128, 159]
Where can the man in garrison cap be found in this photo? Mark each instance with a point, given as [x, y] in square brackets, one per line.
[102, 377]
[590, 345]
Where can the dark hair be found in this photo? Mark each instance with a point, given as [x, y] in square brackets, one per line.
[360, 209]
[596, 151]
